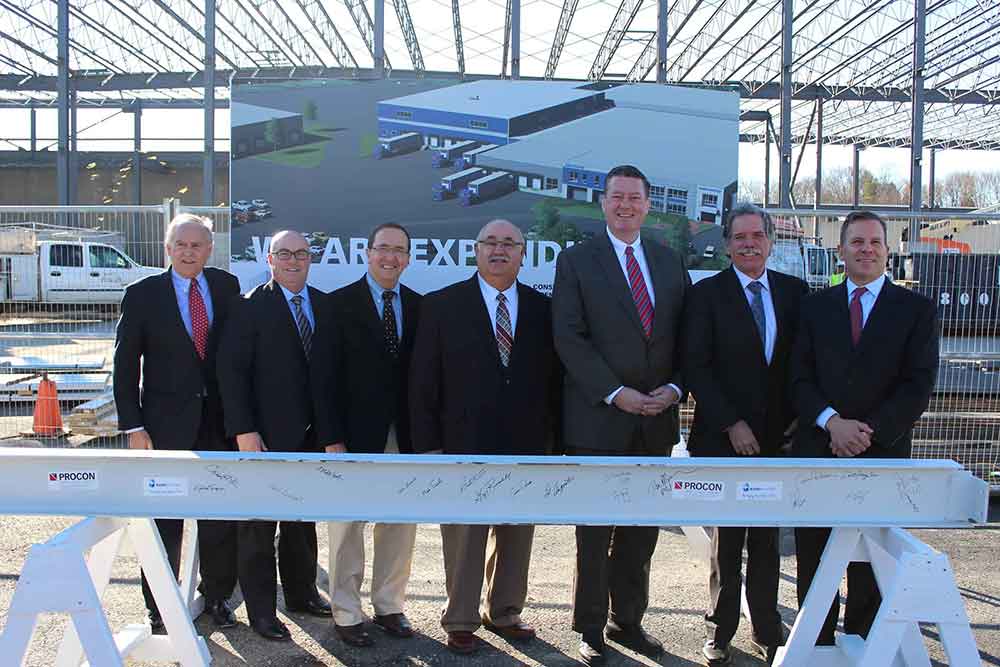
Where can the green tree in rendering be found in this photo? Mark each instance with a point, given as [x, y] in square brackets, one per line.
[311, 110]
[550, 227]
[272, 133]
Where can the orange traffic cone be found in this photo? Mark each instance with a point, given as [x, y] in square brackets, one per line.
[47, 420]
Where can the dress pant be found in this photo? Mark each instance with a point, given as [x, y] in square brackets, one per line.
[863, 597]
[725, 584]
[391, 564]
[502, 554]
[216, 539]
[296, 561]
[612, 567]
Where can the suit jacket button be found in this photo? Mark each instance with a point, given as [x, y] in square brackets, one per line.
[507, 381]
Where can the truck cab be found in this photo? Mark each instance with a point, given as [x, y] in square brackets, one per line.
[70, 272]
[810, 262]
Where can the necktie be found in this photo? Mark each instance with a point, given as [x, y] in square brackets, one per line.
[857, 320]
[505, 338]
[199, 319]
[305, 330]
[389, 324]
[757, 308]
[639, 293]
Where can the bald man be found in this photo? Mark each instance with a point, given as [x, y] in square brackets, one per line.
[265, 384]
[484, 379]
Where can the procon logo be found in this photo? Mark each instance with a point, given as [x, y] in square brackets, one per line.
[72, 476]
[698, 489]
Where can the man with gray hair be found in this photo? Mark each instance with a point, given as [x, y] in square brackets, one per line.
[739, 327]
[484, 380]
[168, 336]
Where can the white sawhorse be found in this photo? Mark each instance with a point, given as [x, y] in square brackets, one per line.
[917, 586]
[59, 576]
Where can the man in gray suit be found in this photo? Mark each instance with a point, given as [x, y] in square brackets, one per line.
[616, 310]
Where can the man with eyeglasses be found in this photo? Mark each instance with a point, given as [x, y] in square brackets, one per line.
[484, 380]
[616, 308]
[362, 357]
[167, 337]
[264, 377]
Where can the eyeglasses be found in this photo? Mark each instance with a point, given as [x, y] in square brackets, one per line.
[505, 245]
[394, 250]
[285, 255]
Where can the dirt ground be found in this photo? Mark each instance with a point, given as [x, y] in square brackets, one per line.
[677, 601]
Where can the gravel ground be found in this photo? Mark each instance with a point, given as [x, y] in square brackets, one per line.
[678, 596]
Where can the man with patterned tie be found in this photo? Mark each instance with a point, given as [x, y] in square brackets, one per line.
[168, 335]
[264, 379]
[863, 368]
[484, 379]
[739, 327]
[361, 362]
[616, 313]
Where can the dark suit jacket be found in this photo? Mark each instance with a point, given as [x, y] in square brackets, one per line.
[354, 380]
[462, 399]
[175, 381]
[725, 367]
[602, 345]
[886, 381]
[264, 376]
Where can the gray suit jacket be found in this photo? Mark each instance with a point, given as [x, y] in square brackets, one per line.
[602, 345]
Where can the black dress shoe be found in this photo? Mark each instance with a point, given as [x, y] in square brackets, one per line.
[592, 649]
[635, 638]
[220, 613]
[765, 650]
[396, 625]
[315, 607]
[354, 635]
[717, 655]
[156, 625]
[272, 629]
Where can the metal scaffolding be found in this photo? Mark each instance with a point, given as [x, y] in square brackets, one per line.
[920, 74]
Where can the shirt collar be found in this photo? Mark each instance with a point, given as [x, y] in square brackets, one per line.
[746, 280]
[377, 290]
[289, 293]
[620, 245]
[490, 292]
[185, 283]
[875, 286]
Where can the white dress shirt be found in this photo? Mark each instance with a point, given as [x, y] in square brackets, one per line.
[619, 247]
[770, 321]
[867, 303]
[490, 299]
[306, 305]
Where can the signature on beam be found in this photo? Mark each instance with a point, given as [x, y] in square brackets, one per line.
[433, 484]
[406, 487]
[556, 488]
[471, 479]
[208, 488]
[521, 487]
[484, 493]
[286, 493]
[329, 473]
[226, 477]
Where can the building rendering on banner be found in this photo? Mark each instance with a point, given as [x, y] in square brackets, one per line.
[250, 129]
[561, 138]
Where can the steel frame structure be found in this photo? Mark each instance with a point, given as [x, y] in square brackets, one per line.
[889, 72]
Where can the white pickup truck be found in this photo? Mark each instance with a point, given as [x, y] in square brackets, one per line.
[67, 272]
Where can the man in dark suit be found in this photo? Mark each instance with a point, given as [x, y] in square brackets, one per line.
[739, 327]
[616, 312]
[863, 369]
[264, 380]
[484, 380]
[361, 366]
[168, 335]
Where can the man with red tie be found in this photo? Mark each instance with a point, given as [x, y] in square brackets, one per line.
[168, 336]
[862, 372]
[616, 314]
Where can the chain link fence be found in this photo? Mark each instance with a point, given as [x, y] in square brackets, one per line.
[63, 271]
